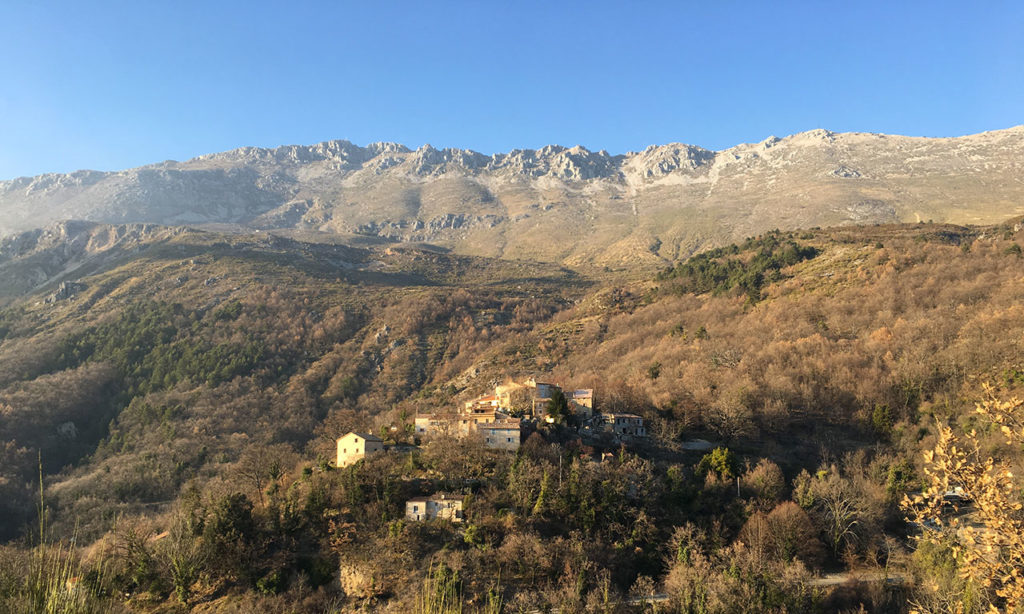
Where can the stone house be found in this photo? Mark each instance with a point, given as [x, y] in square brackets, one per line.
[540, 407]
[445, 507]
[354, 447]
[485, 404]
[449, 424]
[539, 394]
[501, 434]
[581, 402]
[624, 424]
[542, 389]
[496, 429]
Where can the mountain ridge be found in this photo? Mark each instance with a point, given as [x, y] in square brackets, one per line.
[385, 147]
[639, 208]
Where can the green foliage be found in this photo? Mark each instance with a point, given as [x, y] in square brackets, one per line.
[720, 270]
[229, 311]
[272, 583]
[654, 370]
[441, 592]
[882, 419]
[228, 534]
[542, 498]
[183, 556]
[156, 345]
[900, 477]
[53, 584]
[721, 461]
[473, 535]
[318, 569]
[1014, 250]
[1013, 377]
[231, 519]
[348, 387]
[8, 317]
[558, 406]
[937, 565]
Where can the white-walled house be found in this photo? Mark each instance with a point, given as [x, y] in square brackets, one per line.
[445, 507]
[356, 446]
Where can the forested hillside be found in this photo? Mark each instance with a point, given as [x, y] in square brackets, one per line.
[149, 376]
[182, 407]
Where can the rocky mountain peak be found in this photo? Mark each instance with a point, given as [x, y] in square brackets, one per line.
[661, 160]
[658, 203]
[386, 147]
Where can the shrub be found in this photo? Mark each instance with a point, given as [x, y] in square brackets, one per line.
[720, 461]
[765, 481]
[882, 420]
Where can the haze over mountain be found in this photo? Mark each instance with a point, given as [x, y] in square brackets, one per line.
[555, 204]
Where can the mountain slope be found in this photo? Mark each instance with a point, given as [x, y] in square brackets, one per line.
[186, 363]
[554, 204]
[255, 336]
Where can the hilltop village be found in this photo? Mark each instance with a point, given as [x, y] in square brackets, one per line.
[498, 421]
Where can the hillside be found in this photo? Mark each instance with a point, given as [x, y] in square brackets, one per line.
[554, 204]
[193, 383]
[240, 330]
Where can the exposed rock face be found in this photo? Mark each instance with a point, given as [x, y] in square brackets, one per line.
[554, 203]
[39, 258]
[66, 290]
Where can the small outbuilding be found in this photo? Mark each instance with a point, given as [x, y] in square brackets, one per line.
[445, 507]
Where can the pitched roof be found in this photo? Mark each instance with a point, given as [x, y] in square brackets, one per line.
[366, 436]
[435, 497]
[506, 425]
[450, 416]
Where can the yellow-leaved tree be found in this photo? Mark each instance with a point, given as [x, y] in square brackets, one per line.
[973, 505]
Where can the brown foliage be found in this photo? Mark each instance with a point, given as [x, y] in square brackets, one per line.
[784, 534]
[988, 538]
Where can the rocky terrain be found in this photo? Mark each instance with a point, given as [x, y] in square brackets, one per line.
[554, 204]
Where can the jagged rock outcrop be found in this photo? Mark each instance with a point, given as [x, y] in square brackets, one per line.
[555, 203]
[65, 291]
[45, 257]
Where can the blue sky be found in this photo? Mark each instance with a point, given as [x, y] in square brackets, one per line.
[110, 85]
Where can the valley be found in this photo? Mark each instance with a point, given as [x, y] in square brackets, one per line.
[184, 390]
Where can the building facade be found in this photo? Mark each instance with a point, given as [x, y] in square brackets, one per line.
[440, 506]
[495, 429]
[356, 446]
[624, 424]
[501, 434]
